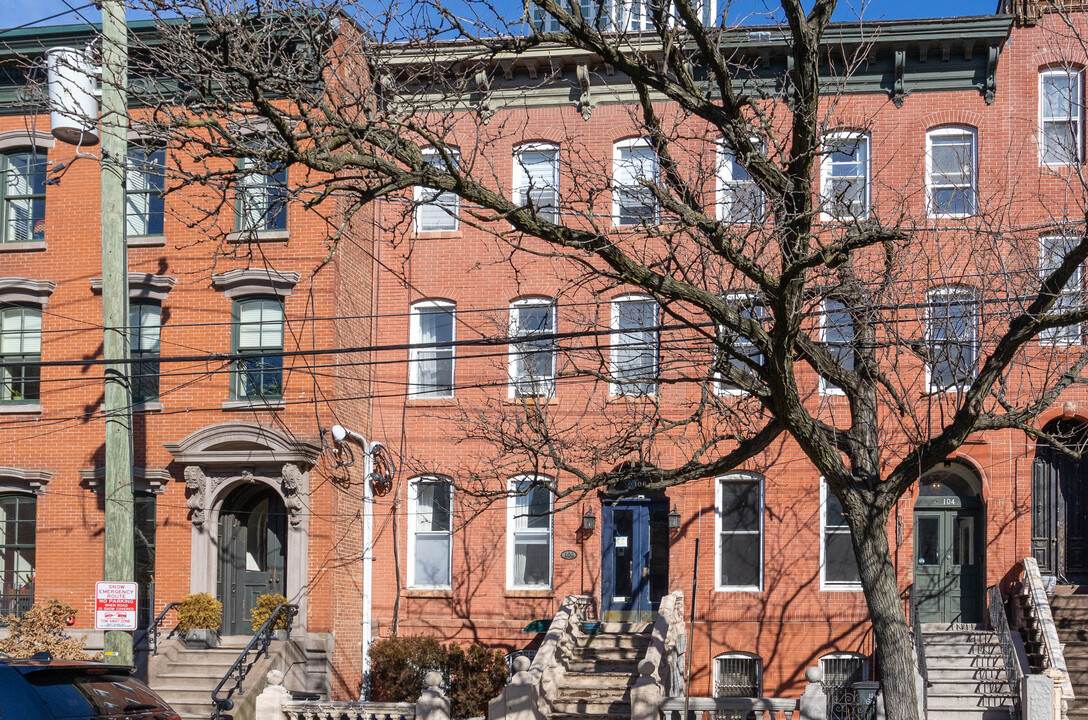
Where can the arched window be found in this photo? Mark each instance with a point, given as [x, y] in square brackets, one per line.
[533, 353]
[951, 337]
[432, 354]
[437, 210]
[529, 533]
[430, 546]
[634, 163]
[635, 344]
[1061, 116]
[738, 675]
[738, 519]
[536, 178]
[951, 172]
[23, 195]
[844, 176]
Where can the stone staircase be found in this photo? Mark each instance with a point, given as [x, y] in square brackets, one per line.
[597, 683]
[966, 674]
[1069, 605]
[185, 678]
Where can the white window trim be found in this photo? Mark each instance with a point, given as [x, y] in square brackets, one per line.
[1079, 75]
[953, 130]
[725, 182]
[826, 584]
[415, 338]
[419, 190]
[738, 299]
[521, 178]
[618, 389]
[511, 508]
[741, 476]
[413, 520]
[825, 167]
[638, 142]
[1044, 269]
[738, 655]
[826, 388]
[963, 291]
[512, 349]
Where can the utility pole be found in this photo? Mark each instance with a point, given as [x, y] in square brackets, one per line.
[119, 553]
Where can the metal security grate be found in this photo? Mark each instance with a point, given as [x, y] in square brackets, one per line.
[739, 676]
[840, 674]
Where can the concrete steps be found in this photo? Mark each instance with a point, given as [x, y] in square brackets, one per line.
[1069, 605]
[967, 675]
[186, 681]
[600, 672]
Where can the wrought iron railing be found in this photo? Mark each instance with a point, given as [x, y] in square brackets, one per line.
[919, 645]
[1040, 625]
[258, 645]
[153, 632]
[1000, 625]
[851, 702]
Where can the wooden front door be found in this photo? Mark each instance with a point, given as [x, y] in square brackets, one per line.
[1059, 505]
[252, 553]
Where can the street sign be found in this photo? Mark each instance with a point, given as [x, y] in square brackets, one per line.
[115, 605]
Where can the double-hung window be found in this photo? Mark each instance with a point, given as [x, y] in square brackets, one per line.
[739, 523]
[1052, 251]
[261, 197]
[144, 322]
[951, 164]
[533, 348]
[143, 508]
[20, 344]
[741, 352]
[23, 188]
[529, 536]
[18, 542]
[258, 333]
[844, 172]
[432, 353]
[634, 167]
[145, 182]
[739, 198]
[1061, 117]
[738, 675]
[634, 346]
[951, 337]
[430, 551]
[838, 565]
[838, 335]
[437, 210]
[536, 179]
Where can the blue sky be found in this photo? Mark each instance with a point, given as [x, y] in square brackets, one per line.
[18, 12]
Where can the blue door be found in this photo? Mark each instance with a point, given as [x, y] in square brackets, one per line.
[635, 558]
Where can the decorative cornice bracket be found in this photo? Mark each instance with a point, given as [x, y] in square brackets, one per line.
[585, 100]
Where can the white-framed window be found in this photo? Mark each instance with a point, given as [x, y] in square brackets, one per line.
[529, 533]
[951, 172]
[841, 671]
[436, 210]
[536, 178]
[634, 163]
[20, 353]
[258, 332]
[744, 352]
[738, 521]
[430, 546]
[145, 183]
[951, 337]
[739, 198]
[738, 675]
[1061, 117]
[533, 349]
[635, 339]
[838, 565]
[260, 196]
[837, 334]
[1052, 250]
[433, 331]
[844, 176]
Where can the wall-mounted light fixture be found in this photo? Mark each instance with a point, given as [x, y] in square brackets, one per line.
[674, 518]
[589, 520]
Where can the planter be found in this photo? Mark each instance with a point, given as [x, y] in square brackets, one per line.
[201, 639]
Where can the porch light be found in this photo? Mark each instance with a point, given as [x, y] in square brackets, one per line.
[589, 520]
[674, 518]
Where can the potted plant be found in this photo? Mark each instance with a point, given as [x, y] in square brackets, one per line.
[265, 605]
[200, 616]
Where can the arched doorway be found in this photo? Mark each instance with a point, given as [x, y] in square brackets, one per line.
[252, 552]
[1059, 504]
[949, 530]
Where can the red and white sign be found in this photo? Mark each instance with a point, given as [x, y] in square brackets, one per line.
[115, 605]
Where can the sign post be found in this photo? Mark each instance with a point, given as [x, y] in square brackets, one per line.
[115, 605]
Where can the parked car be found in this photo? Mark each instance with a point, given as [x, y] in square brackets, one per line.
[41, 688]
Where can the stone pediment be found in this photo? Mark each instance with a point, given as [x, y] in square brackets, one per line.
[236, 444]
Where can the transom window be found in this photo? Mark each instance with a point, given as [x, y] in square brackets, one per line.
[432, 527]
[1052, 251]
[23, 189]
[950, 168]
[1061, 114]
[432, 354]
[838, 335]
[845, 176]
[739, 521]
[952, 337]
[145, 181]
[20, 350]
[838, 564]
[536, 179]
[261, 197]
[739, 198]
[738, 675]
[18, 542]
[529, 540]
[258, 330]
[145, 321]
[634, 165]
[437, 210]
[634, 346]
[533, 351]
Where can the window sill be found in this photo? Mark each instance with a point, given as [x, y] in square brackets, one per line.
[738, 589]
[640, 399]
[272, 405]
[843, 588]
[21, 408]
[428, 593]
[151, 406]
[439, 234]
[147, 241]
[32, 246]
[432, 402]
[542, 593]
[533, 400]
[259, 236]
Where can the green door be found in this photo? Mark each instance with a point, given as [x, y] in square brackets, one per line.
[948, 573]
[252, 557]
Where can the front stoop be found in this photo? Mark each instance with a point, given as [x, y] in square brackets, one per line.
[597, 683]
[967, 675]
[1069, 606]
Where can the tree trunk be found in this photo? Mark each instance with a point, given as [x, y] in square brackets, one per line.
[894, 651]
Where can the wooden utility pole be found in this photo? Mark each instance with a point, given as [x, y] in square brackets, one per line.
[119, 553]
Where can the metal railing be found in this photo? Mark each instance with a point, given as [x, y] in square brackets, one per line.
[1000, 625]
[241, 667]
[919, 646]
[153, 632]
[1041, 628]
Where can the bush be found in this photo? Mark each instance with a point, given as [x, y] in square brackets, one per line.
[42, 628]
[264, 607]
[471, 676]
[199, 611]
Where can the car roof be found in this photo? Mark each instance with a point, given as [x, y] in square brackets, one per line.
[28, 665]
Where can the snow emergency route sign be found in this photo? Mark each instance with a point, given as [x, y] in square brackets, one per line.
[115, 605]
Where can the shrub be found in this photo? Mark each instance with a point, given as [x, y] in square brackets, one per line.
[199, 611]
[472, 676]
[42, 628]
[264, 607]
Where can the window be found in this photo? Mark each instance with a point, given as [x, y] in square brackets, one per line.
[144, 548]
[261, 196]
[739, 198]
[430, 549]
[838, 336]
[529, 542]
[536, 179]
[144, 320]
[145, 181]
[738, 675]
[742, 353]
[844, 176]
[1061, 112]
[18, 515]
[950, 169]
[258, 326]
[841, 671]
[634, 163]
[1052, 252]
[20, 343]
[437, 210]
[432, 352]
[951, 323]
[532, 354]
[839, 567]
[24, 196]
[739, 521]
[634, 346]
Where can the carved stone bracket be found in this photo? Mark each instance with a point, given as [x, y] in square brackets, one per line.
[292, 480]
[990, 89]
[195, 480]
[201, 486]
[898, 84]
[585, 100]
[483, 87]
